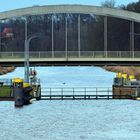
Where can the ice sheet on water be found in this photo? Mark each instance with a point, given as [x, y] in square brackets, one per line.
[76, 120]
[69, 76]
[70, 120]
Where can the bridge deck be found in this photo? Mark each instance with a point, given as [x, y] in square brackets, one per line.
[71, 58]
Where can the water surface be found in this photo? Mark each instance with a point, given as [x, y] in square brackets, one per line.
[69, 76]
[71, 120]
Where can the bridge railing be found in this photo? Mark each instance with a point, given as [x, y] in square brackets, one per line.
[72, 54]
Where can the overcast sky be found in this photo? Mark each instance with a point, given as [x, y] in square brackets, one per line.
[15, 4]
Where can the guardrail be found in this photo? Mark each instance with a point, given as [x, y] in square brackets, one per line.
[77, 91]
[80, 94]
[7, 82]
[72, 54]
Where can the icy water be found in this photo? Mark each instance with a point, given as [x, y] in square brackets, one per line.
[69, 76]
[71, 120]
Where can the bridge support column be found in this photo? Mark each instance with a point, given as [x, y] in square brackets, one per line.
[79, 36]
[52, 37]
[66, 37]
[26, 55]
[132, 38]
[105, 36]
[0, 36]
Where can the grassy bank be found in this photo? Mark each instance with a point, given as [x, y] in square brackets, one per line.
[130, 70]
[5, 91]
[5, 70]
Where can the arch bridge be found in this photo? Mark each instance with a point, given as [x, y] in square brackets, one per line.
[77, 57]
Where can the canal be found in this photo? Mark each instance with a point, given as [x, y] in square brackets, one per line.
[70, 120]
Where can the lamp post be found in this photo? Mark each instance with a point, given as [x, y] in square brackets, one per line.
[26, 51]
[26, 56]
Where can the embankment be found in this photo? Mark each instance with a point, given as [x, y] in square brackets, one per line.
[130, 70]
[5, 70]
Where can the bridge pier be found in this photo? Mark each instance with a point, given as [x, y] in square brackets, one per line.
[132, 38]
[0, 35]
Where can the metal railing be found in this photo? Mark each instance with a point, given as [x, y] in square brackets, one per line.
[77, 91]
[72, 54]
[88, 93]
[6, 82]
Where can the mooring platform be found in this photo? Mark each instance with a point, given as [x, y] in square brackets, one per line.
[84, 97]
[6, 98]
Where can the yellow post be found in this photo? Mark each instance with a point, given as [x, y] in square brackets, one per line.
[18, 92]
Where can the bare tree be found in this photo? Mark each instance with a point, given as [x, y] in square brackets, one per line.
[108, 3]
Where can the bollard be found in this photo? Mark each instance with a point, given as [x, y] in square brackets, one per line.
[27, 96]
[137, 92]
[18, 92]
[38, 97]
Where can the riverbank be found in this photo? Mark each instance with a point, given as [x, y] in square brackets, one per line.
[130, 70]
[5, 70]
